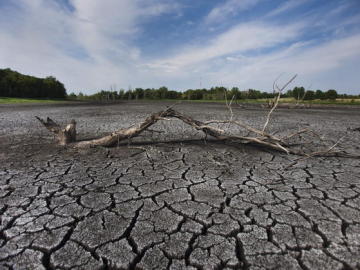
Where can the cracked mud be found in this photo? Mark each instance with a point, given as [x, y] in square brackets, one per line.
[183, 204]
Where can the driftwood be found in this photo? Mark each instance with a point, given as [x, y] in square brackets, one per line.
[257, 137]
[67, 135]
[64, 136]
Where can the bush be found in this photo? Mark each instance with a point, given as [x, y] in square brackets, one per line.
[331, 94]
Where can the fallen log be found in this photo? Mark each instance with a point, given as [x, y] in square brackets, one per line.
[67, 135]
[257, 137]
[64, 136]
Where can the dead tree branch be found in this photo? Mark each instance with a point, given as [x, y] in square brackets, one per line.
[213, 128]
[131, 132]
[68, 134]
[276, 100]
[64, 136]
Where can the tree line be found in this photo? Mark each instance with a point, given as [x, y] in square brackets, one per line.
[214, 93]
[15, 84]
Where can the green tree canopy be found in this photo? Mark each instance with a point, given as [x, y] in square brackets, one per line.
[309, 95]
[298, 93]
[15, 84]
[331, 94]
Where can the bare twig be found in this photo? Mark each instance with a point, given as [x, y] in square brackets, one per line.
[328, 152]
[247, 127]
[296, 133]
[230, 108]
[276, 101]
[303, 97]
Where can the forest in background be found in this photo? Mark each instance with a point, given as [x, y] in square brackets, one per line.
[15, 84]
[214, 93]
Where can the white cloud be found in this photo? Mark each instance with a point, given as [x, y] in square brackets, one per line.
[239, 39]
[106, 28]
[323, 66]
[88, 47]
[289, 5]
[311, 63]
[92, 46]
[229, 8]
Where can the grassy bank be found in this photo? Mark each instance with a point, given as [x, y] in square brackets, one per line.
[10, 100]
[288, 100]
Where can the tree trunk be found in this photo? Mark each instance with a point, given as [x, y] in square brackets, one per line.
[260, 138]
[63, 136]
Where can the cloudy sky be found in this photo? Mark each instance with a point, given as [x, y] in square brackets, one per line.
[94, 44]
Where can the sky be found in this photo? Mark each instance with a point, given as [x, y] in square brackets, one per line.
[91, 45]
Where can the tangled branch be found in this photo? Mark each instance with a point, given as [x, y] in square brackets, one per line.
[255, 136]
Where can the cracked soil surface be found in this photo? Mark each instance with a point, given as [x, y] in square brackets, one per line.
[184, 204]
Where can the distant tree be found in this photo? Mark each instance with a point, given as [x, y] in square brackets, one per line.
[139, 93]
[267, 95]
[129, 95]
[319, 94]
[331, 94]
[121, 94]
[72, 95]
[234, 92]
[215, 93]
[254, 94]
[309, 95]
[173, 94]
[162, 92]
[15, 84]
[298, 93]
[150, 93]
[194, 94]
[289, 93]
[80, 95]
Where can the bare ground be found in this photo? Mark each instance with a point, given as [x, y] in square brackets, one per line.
[173, 200]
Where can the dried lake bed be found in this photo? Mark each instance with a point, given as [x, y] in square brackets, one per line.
[171, 200]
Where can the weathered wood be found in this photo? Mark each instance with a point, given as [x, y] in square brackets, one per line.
[260, 138]
[64, 136]
[68, 135]
[219, 134]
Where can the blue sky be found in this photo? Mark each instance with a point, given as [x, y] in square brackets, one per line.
[97, 44]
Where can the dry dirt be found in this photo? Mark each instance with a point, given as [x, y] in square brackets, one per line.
[183, 204]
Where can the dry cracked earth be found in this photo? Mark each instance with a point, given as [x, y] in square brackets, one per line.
[170, 200]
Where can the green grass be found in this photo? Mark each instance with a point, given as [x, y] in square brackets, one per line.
[287, 100]
[259, 101]
[326, 102]
[9, 100]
